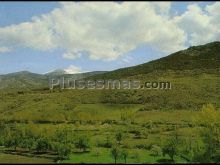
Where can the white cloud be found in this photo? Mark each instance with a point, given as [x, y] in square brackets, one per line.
[72, 69]
[106, 30]
[201, 25]
[71, 56]
[109, 30]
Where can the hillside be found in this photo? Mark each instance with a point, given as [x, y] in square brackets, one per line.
[203, 58]
[194, 74]
[22, 80]
[27, 81]
[196, 59]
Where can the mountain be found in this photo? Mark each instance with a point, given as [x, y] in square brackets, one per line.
[194, 74]
[26, 80]
[56, 72]
[204, 58]
[201, 59]
[23, 79]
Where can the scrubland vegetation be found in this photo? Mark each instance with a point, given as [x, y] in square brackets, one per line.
[106, 126]
[117, 133]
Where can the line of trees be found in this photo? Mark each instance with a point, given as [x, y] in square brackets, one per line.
[62, 142]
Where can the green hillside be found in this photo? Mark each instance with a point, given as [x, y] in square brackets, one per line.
[25, 80]
[22, 80]
[204, 58]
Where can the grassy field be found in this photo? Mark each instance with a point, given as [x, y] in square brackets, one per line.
[9, 158]
[136, 156]
[140, 130]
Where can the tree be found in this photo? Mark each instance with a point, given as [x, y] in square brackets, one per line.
[172, 147]
[61, 135]
[63, 151]
[124, 154]
[12, 142]
[82, 143]
[210, 134]
[115, 153]
[1, 141]
[118, 137]
[42, 144]
[27, 143]
[108, 143]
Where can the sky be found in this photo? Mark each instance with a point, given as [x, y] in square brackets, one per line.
[100, 36]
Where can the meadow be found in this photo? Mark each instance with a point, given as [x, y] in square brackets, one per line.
[140, 135]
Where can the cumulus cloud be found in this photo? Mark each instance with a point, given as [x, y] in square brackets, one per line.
[104, 30]
[72, 69]
[201, 25]
[109, 30]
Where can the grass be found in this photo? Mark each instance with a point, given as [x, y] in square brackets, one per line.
[134, 156]
[154, 128]
[9, 158]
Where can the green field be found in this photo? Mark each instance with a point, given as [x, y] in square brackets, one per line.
[104, 156]
[9, 158]
[99, 123]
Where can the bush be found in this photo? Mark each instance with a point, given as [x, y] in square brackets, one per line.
[63, 151]
[11, 142]
[82, 143]
[106, 144]
[1, 142]
[27, 143]
[156, 150]
[42, 145]
[142, 146]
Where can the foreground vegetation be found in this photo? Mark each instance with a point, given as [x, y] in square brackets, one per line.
[130, 136]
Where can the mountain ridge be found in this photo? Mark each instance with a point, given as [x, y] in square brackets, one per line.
[203, 58]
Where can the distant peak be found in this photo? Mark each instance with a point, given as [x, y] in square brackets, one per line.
[56, 72]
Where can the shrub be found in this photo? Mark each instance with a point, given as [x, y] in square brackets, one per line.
[63, 151]
[42, 145]
[82, 143]
[156, 150]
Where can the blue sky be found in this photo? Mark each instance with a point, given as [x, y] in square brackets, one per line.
[113, 45]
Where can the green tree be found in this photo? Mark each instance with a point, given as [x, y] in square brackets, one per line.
[210, 134]
[63, 151]
[118, 137]
[172, 147]
[82, 143]
[12, 142]
[115, 152]
[27, 143]
[124, 154]
[42, 145]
